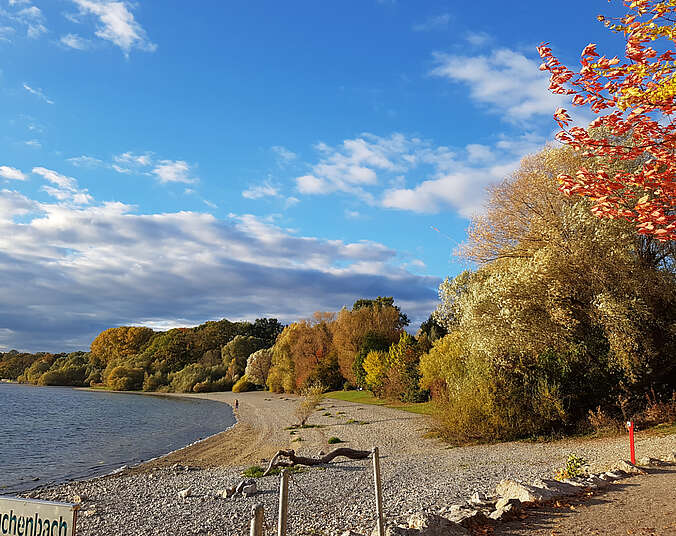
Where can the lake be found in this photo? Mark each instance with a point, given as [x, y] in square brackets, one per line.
[56, 433]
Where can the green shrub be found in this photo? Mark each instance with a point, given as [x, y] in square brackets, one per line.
[575, 466]
[333, 440]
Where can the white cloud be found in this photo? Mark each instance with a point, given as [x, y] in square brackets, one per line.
[173, 171]
[74, 41]
[71, 271]
[437, 22]
[132, 159]
[38, 93]
[19, 2]
[65, 189]
[85, 161]
[117, 24]
[354, 166]
[478, 38]
[283, 153]
[11, 173]
[6, 33]
[506, 81]
[33, 143]
[263, 190]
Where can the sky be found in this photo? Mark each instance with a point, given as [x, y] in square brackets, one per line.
[164, 162]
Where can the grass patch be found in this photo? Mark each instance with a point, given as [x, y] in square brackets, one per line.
[297, 439]
[256, 471]
[304, 426]
[366, 397]
[352, 421]
[327, 414]
[333, 440]
[661, 429]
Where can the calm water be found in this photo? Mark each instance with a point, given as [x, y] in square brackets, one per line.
[57, 433]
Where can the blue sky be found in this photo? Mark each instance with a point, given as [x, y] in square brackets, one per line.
[169, 162]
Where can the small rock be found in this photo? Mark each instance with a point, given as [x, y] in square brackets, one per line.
[651, 462]
[610, 475]
[184, 493]
[89, 513]
[78, 498]
[249, 490]
[628, 467]
[435, 525]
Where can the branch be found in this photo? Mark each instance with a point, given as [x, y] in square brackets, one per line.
[293, 460]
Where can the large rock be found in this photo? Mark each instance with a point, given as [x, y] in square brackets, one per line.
[435, 525]
[505, 509]
[558, 490]
[628, 468]
[467, 517]
[651, 462]
[510, 489]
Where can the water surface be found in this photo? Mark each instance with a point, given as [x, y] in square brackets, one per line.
[57, 433]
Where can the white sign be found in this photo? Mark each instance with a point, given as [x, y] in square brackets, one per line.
[27, 517]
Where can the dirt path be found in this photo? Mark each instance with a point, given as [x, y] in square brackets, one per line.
[640, 506]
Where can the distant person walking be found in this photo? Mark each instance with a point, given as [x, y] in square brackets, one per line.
[236, 403]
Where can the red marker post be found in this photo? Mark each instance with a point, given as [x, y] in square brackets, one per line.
[632, 453]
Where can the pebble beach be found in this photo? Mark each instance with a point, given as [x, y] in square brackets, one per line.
[418, 473]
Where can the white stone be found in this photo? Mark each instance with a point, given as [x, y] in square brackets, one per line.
[435, 525]
[628, 467]
[249, 490]
[184, 493]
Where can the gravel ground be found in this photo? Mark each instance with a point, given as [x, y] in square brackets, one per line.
[418, 473]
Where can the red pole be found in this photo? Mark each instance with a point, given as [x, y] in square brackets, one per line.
[630, 426]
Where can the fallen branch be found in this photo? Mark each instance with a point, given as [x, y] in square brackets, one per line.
[293, 460]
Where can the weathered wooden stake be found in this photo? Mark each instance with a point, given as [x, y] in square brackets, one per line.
[283, 503]
[379, 492]
[257, 520]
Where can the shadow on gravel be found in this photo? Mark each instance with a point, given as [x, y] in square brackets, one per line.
[592, 512]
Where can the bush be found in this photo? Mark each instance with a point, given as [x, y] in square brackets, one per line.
[575, 466]
[333, 440]
[243, 385]
[311, 397]
[123, 378]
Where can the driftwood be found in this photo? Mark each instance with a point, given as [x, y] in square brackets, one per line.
[293, 460]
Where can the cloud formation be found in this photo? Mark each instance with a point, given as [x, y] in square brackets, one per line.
[7, 172]
[116, 23]
[506, 81]
[70, 271]
[437, 22]
[38, 93]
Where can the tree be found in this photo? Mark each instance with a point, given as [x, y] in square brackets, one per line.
[120, 343]
[564, 312]
[258, 366]
[236, 353]
[634, 102]
[379, 317]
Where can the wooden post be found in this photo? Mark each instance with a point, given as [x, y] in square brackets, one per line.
[379, 492]
[257, 520]
[283, 503]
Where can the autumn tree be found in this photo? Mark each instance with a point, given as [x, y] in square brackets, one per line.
[378, 317]
[564, 312]
[120, 343]
[258, 366]
[633, 99]
[236, 352]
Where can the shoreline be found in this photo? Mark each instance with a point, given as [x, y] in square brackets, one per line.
[418, 473]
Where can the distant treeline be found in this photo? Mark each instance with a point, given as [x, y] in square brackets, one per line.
[209, 357]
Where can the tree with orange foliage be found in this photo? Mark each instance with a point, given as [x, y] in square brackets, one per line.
[634, 101]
